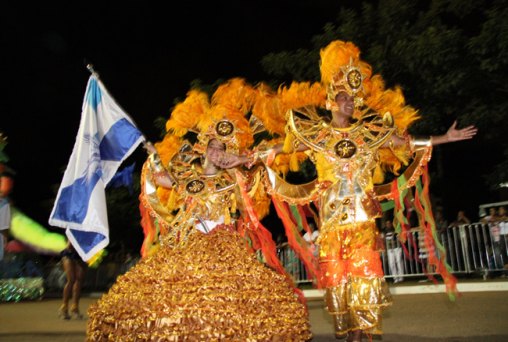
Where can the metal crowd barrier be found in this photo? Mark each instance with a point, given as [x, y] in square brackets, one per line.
[476, 248]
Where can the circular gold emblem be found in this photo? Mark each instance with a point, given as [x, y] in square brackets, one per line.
[224, 128]
[345, 148]
[195, 186]
[354, 79]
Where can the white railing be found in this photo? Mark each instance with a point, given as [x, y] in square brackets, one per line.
[472, 248]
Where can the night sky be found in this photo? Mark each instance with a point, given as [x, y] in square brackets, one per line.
[146, 57]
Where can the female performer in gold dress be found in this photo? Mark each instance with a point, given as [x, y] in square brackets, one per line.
[203, 283]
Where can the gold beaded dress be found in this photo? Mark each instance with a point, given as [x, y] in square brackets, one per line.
[204, 283]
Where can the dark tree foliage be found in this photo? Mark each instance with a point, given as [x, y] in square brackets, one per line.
[450, 58]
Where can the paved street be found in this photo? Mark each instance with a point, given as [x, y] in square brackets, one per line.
[475, 316]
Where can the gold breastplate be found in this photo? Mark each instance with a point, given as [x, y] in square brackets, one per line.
[211, 196]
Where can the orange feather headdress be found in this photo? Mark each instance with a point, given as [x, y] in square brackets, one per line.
[222, 117]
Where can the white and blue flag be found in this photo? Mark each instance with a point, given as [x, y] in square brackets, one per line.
[106, 137]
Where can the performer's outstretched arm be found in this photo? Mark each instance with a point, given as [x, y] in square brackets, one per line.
[453, 134]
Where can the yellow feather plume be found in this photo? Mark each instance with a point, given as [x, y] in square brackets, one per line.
[302, 94]
[168, 147]
[235, 93]
[188, 113]
[336, 54]
[268, 108]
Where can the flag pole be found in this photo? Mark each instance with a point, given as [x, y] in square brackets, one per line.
[90, 68]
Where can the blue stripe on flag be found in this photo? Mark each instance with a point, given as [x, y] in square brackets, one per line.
[72, 205]
[94, 94]
[87, 240]
[118, 140]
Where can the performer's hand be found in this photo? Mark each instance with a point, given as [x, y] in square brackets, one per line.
[162, 178]
[228, 161]
[454, 134]
[148, 146]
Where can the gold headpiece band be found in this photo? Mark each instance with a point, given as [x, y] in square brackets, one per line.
[349, 79]
[224, 131]
[342, 70]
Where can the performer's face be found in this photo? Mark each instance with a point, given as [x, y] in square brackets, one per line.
[345, 103]
[215, 151]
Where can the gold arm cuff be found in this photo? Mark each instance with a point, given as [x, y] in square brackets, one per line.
[155, 163]
[419, 142]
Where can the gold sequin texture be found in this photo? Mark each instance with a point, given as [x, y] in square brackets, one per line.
[357, 304]
[211, 289]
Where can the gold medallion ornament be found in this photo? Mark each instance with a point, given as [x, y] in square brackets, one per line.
[345, 148]
[349, 79]
[224, 128]
[195, 186]
[354, 79]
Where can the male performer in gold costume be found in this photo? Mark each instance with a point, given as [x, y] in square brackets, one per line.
[366, 136]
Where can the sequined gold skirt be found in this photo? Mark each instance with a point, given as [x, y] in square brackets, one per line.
[357, 304]
[352, 274]
[213, 289]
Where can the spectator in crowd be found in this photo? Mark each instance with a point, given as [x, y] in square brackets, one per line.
[3, 243]
[441, 225]
[312, 236]
[493, 220]
[461, 219]
[491, 217]
[394, 252]
[503, 225]
[502, 214]
[412, 217]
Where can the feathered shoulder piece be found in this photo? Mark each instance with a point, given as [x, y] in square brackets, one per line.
[271, 106]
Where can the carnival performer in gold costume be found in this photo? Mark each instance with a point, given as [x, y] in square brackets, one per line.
[204, 282]
[366, 136]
